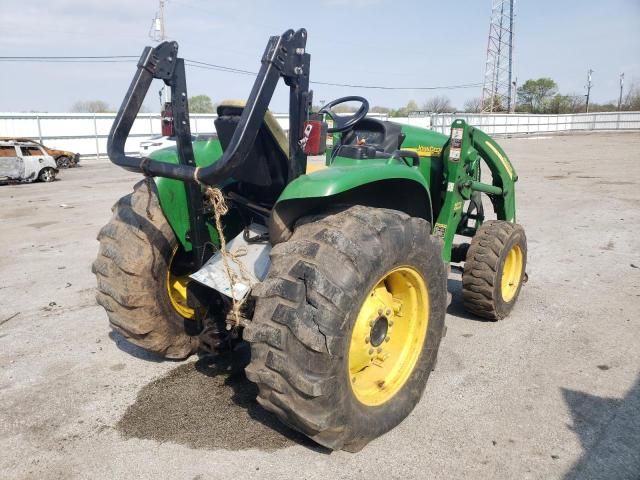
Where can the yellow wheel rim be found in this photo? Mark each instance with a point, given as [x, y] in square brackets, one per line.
[388, 336]
[511, 273]
[177, 290]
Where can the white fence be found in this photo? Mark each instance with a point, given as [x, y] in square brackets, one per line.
[526, 124]
[87, 133]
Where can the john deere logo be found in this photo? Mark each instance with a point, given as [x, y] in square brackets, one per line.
[426, 150]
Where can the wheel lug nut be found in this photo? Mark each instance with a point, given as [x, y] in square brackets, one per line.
[379, 311]
[371, 351]
[391, 323]
[387, 339]
[379, 349]
[367, 340]
[388, 312]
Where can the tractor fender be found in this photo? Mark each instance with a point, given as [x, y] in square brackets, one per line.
[172, 194]
[393, 186]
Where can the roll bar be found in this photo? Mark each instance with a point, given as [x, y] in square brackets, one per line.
[285, 56]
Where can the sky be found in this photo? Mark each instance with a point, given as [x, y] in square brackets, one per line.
[400, 43]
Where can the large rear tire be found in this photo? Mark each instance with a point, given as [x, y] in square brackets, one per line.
[347, 324]
[136, 285]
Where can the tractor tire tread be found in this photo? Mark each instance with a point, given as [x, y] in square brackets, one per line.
[306, 297]
[132, 254]
[480, 279]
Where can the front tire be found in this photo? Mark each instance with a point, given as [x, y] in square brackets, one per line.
[494, 271]
[47, 175]
[310, 312]
[63, 162]
[135, 282]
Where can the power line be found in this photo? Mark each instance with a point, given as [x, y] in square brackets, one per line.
[69, 61]
[380, 87]
[215, 67]
[212, 66]
[69, 57]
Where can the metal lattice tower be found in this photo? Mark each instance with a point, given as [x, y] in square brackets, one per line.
[497, 88]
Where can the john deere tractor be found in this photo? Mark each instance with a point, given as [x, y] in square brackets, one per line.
[345, 308]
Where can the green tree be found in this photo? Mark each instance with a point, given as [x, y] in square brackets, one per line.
[533, 95]
[201, 104]
[562, 104]
[411, 106]
[91, 106]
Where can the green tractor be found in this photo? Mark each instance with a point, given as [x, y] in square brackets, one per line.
[345, 311]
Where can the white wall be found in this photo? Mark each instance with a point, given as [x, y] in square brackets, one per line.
[87, 133]
[514, 124]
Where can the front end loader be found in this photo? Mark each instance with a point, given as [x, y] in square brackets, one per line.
[337, 278]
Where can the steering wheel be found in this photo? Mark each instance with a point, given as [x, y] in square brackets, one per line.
[344, 123]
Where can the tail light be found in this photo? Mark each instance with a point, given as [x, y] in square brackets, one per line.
[314, 137]
[167, 120]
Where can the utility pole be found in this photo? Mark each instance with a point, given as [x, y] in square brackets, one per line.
[158, 34]
[161, 18]
[621, 87]
[157, 31]
[589, 72]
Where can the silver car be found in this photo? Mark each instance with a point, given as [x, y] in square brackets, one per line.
[25, 162]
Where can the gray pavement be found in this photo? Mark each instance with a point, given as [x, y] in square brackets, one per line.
[551, 392]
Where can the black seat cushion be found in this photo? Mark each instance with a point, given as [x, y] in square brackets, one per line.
[264, 174]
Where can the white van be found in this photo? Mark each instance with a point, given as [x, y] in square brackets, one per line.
[25, 162]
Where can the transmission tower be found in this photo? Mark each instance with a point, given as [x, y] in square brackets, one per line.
[497, 88]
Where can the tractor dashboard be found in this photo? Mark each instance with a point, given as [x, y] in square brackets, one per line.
[372, 138]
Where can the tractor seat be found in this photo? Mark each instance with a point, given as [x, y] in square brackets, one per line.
[264, 174]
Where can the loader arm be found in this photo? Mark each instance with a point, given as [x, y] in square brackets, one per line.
[465, 148]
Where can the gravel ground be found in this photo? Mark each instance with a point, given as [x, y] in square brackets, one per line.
[551, 392]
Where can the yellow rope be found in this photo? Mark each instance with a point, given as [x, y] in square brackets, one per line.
[220, 208]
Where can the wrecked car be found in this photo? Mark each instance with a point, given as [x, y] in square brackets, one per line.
[63, 158]
[25, 162]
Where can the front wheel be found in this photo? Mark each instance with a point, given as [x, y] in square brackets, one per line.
[494, 270]
[47, 175]
[63, 162]
[347, 324]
